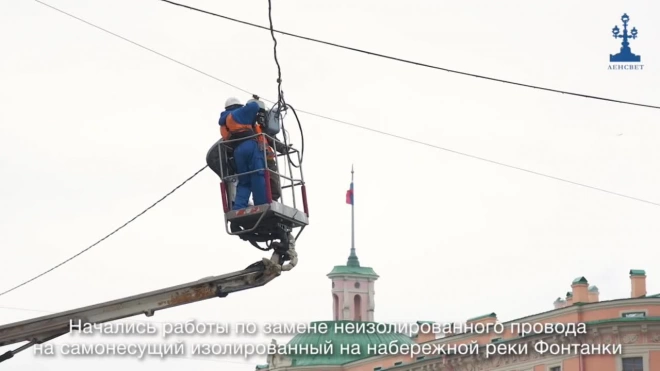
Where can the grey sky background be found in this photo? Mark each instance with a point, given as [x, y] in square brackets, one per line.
[94, 129]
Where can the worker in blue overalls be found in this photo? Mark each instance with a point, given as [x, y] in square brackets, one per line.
[240, 123]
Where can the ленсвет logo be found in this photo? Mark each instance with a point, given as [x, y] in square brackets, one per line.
[625, 54]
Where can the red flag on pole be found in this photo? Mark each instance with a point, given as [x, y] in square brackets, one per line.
[349, 195]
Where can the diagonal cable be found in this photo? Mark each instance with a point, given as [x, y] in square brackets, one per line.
[370, 129]
[413, 62]
[108, 235]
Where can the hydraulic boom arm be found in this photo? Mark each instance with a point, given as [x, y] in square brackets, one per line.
[43, 329]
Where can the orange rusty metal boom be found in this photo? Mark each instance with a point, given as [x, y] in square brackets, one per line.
[43, 329]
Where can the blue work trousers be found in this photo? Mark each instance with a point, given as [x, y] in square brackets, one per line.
[248, 157]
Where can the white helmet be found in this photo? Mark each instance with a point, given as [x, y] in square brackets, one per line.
[232, 101]
[259, 102]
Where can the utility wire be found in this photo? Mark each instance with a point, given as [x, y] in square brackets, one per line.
[134, 43]
[110, 234]
[412, 62]
[28, 310]
[320, 116]
[280, 97]
[282, 105]
[374, 130]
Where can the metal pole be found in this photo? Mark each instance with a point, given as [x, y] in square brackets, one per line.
[352, 214]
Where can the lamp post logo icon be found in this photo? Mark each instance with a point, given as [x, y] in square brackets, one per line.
[625, 55]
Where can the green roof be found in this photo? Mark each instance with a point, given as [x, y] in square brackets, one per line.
[653, 296]
[569, 294]
[336, 337]
[345, 269]
[580, 280]
[637, 272]
[493, 315]
[593, 288]
[352, 267]
[353, 260]
[262, 367]
[623, 319]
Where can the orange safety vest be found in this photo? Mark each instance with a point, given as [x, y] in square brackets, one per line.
[263, 142]
[233, 129]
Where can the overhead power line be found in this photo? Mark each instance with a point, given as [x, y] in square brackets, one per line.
[110, 234]
[309, 113]
[364, 127]
[360, 126]
[28, 310]
[410, 61]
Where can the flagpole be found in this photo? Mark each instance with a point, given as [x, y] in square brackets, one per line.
[352, 215]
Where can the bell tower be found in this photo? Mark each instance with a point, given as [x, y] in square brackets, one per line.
[353, 291]
[352, 285]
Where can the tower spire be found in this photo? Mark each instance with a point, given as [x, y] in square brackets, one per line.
[352, 258]
[352, 284]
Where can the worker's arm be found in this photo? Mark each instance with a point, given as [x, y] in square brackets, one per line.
[223, 118]
[224, 133]
[246, 115]
[279, 147]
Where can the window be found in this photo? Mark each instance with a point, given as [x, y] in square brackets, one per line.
[633, 314]
[398, 363]
[633, 361]
[335, 304]
[357, 285]
[632, 364]
[357, 307]
[556, 368]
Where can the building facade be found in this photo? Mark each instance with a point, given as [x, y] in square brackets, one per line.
[621, 335]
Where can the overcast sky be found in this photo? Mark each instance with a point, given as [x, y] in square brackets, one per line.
[94, 129]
